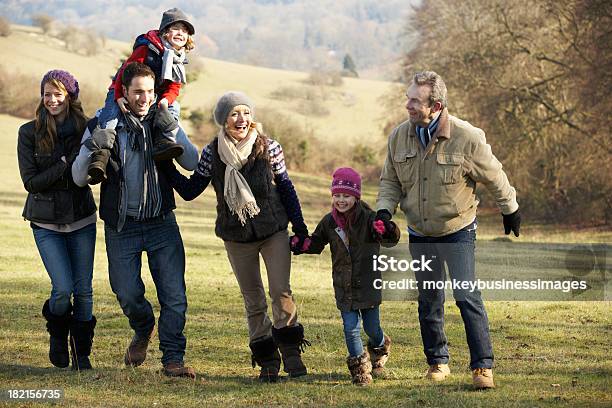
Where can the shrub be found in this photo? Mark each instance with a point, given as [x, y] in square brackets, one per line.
[44, 21]
[5, 27]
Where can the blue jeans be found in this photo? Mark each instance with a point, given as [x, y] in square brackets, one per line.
[108, 116]
[457, 251]
[161, 240]
[352, 330]
[68, 258]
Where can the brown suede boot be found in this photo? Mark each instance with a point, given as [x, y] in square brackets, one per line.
[164, 148]
[360, 368]
[136, 352]
[97, 168]
[178, 369]
[379, 356]
[291, 343]
[265, 354]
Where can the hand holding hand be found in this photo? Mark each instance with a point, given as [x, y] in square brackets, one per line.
[300, 244]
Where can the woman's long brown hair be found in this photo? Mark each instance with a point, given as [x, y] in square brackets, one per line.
[45, 124]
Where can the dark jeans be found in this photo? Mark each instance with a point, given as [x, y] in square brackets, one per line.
[68, 258]
[457, 251]
[352, 329]
[161, 240]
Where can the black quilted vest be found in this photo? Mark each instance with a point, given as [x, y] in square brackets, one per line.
[272, 217]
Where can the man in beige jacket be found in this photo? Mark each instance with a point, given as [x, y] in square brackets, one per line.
[434, 161]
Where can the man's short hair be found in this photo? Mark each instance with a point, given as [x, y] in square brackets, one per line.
[135, 69]
[435, 82]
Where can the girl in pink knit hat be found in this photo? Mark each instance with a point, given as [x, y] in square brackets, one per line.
[354, 237]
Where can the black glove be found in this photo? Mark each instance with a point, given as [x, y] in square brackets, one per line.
[164, 121]
[512, 222]
[385, 217]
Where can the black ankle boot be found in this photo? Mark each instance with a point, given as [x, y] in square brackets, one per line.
[265, 354]
[81, 339]
[291, 343]
[58, 327]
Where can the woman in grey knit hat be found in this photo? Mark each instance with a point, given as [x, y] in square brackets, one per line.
[255, 202]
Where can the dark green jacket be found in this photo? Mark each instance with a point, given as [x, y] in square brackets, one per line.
[352, 273]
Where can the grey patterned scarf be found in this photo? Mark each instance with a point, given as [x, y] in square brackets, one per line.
[173, 61]
[141, 141]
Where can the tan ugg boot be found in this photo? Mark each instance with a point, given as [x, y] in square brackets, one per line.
[438, 372]
[360, 368]
[379, 357]
[482, 378]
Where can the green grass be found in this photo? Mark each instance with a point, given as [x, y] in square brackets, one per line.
[547, 353]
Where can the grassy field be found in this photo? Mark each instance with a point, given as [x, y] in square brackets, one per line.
[547, 353]
[355, 111]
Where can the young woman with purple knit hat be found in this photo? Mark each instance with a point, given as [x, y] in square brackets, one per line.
[62, 216]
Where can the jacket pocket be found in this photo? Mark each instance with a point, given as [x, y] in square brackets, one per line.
[450, 167]
[406, 164]
[43, 207]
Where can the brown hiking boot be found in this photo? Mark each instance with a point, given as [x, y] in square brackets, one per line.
[174, 369]
[136, 352]
[438, 372]
[97, 168]
[482, 378]
[379, 356]
[360, 368]
[164, 149]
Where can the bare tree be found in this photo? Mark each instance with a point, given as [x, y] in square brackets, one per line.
[535, 77]
[44, 21]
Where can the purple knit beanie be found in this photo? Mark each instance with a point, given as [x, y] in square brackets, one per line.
[347, 181]
[66, 78]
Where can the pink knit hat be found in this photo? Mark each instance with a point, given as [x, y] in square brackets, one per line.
[346, 180]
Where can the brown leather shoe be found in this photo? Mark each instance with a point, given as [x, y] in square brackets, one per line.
[438, 372]
[173, 369]
[482, 378]
[136, 352]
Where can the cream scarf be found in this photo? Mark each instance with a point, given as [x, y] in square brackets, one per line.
[236, 191]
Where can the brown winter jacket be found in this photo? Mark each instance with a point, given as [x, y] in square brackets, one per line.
[352, 273]
[436, 187]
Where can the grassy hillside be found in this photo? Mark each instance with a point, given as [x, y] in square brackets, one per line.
[355, 112]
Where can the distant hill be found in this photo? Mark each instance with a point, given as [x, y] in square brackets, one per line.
[286, 34]
[350, 113]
